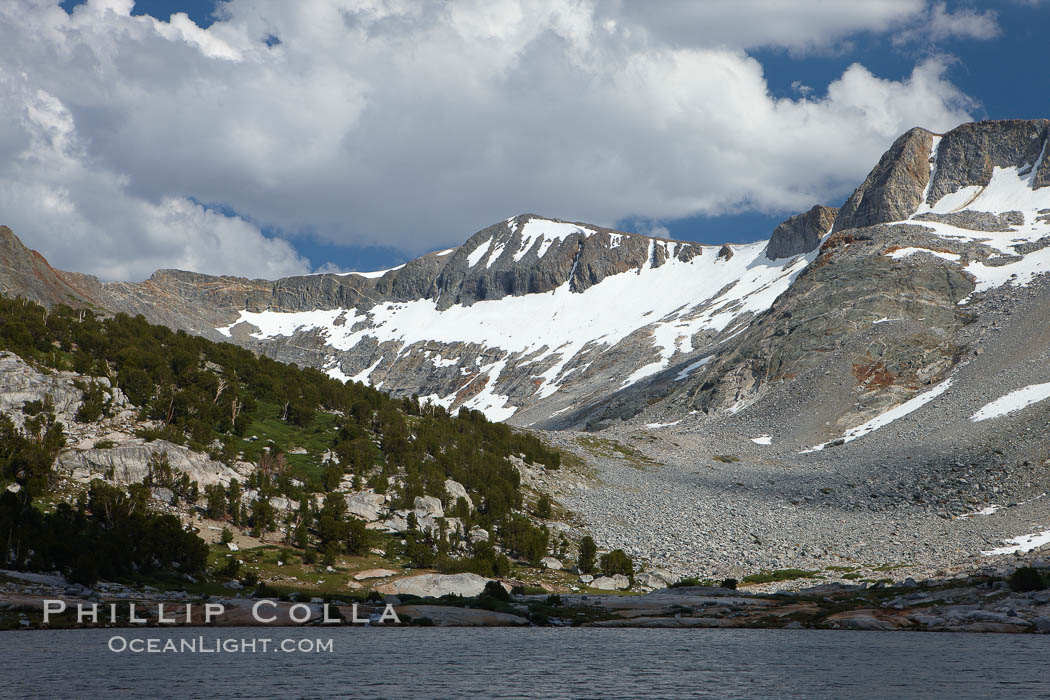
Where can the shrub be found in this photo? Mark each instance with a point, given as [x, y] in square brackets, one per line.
[231, 569]
[729, 583]
[32, 408]
[544, 508]
[617, 562]
[522, 589]
[588, 550]
[227, 536]
[1026, 578]
[94, 404]
[496, 591]
[501, 565]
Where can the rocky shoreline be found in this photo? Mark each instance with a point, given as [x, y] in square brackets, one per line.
[996, 599]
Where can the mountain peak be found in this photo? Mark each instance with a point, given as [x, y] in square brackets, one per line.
[25, 272]
[922, 167]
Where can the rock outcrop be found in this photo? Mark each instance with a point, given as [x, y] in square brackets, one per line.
[21, 383]
[801, 233]
[893, 190]
[968, 154]
[819, 323]
[365, 505]
[616, 582]
[456, 491]
[436, 585]
[129, 463]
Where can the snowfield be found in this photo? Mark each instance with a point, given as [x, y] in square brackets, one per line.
[673, 301]
[1010, 189]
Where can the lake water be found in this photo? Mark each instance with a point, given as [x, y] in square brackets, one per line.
[537, 662]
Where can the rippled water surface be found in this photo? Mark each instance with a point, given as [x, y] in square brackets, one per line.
[540, 662]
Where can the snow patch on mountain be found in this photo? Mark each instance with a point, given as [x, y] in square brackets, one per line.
[544, 233]
[883, 419]
[657, 426]
[673, 301]
[1009, 189]
[1023, 543]
[684, 374]
[375, 273]
[478, 253]
[905, 252]
[1014, 401]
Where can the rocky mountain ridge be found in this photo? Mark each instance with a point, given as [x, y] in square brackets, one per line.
[606, 309]
[873, 295]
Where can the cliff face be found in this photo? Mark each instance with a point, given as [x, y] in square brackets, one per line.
[893, 190]
[801, 233]
[967, 156]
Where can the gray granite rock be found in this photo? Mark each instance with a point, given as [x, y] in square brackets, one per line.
[436, 585]
[800, 233]
[969, 153]
[129, 463]
[366, 505]
[977, 220]
[893, 190]
[617, 582]
[428, 507]
[455, 491]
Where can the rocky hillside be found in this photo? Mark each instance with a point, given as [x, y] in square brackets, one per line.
[114, 415]
[891, 406]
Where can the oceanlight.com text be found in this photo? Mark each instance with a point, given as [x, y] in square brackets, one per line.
[230, 645]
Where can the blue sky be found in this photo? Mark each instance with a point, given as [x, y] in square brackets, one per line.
[217, 150]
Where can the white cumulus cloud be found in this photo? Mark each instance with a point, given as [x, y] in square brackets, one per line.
[413, 123]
